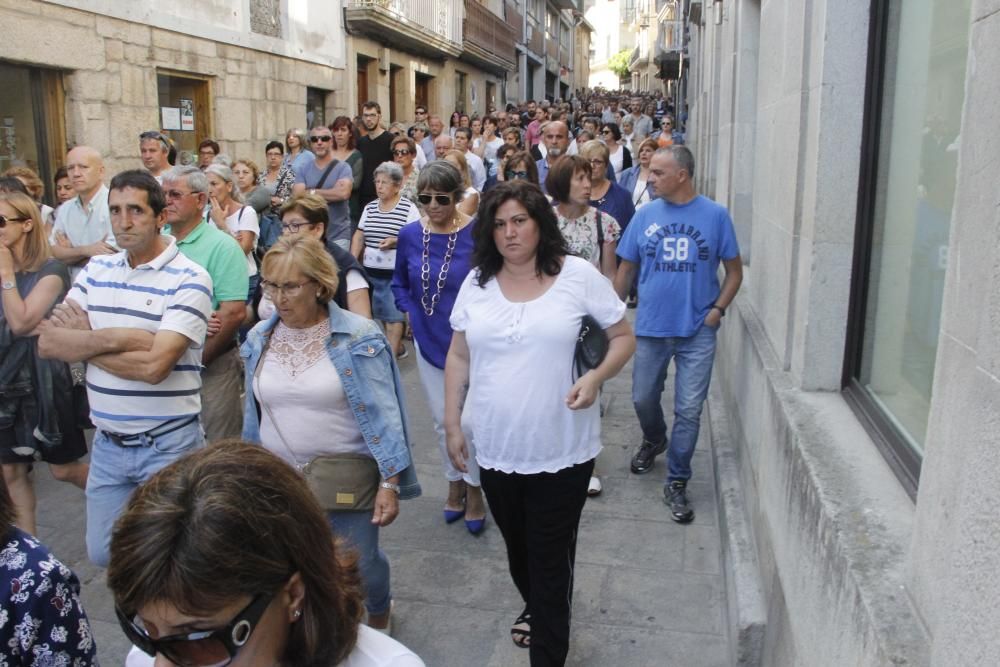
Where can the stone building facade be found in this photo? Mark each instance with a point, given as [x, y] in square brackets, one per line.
[857, 393]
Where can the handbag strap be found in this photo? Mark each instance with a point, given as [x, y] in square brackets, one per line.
[600, 237]
[322, 179]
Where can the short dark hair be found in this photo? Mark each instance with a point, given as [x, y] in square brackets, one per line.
[417, 108]
[551, 244]
[615, 130]
[372, 104]
[209, 143]
[344, 121]
[60, 174]
[561, 174]
[524, 157]
[312, 207]
[139, 179]
[441, 176]
[274, 144]
[11, 184]
[464, 130]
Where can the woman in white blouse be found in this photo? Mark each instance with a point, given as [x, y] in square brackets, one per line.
[230, 215]
[536, 427]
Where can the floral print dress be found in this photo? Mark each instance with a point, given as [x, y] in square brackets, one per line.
[581, 233]
[41, 621]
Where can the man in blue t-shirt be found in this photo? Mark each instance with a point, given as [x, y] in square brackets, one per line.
[333, 181]
[676, 243]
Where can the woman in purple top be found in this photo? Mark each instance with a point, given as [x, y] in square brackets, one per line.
[432, 259]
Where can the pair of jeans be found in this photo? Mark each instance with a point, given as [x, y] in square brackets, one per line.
[539, 515]
[432, 379]
[693, 357]
[116, 471]
[359, 533]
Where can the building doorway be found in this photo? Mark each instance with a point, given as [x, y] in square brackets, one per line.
[362, 87]
[422, 90]
[185, 112]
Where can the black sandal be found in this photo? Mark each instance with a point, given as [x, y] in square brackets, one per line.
[520, 632]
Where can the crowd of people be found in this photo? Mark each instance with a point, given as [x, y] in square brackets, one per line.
[211, 320]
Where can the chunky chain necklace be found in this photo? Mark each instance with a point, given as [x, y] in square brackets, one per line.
[427, 300]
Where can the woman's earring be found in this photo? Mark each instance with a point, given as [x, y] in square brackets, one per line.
[297, 613]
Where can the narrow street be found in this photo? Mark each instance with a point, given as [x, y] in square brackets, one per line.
[648, 592]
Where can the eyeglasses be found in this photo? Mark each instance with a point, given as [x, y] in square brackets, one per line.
[4, 220]
[596, 163]
[274, 154]
[291, 290]
[153, 134]
[401, 151]
[606, 132]
[294, 227]
[426, 199]
[177, 194]
[323, 137]
[201, 648]
[511, 175]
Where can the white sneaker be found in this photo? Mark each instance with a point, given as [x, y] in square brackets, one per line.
[594, 488]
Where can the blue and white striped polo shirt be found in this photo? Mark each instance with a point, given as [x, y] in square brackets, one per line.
[171, 292]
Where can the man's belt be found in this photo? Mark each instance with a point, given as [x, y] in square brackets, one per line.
[137, 439]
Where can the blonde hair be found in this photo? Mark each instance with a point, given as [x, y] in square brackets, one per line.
[36, 246]
[309, 256]
[32, 183]
[251, 165]
[462, 166]
[595, 149]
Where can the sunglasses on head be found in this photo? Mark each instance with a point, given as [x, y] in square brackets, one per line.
[153, 134]
[201, 648]
[322, 137]
[4, 220]
[442, 200]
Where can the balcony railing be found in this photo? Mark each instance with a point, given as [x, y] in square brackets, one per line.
[515, 20]
[488, 39]
[433, 26]
[670, 36]
[536, 39]
[552, 48]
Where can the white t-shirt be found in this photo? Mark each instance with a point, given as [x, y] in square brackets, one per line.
[617, 158]
[521, 369]
[245, 220]
[373, 649]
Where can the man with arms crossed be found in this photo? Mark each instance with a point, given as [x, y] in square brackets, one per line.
[138, 318]
[676, 243]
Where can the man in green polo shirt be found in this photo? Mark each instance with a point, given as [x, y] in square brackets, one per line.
[218, 253]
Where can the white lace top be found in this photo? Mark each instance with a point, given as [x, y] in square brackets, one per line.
[301, 397]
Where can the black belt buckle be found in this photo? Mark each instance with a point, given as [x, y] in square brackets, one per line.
[125, 440]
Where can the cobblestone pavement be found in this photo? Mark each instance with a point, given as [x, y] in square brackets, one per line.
[648, 592]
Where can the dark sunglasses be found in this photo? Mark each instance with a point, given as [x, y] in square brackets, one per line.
[442, 200]
[401, 151]
[511, 175]
[324, 138]
[4, 220]
[204, 647]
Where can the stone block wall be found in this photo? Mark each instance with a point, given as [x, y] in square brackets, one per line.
[110, 77]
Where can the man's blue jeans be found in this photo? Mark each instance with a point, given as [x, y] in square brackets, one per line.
[116, 471]
[693, 357]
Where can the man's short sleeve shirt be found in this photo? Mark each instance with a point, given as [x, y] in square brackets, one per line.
[218, 253]
[84, 224]
[678, 249]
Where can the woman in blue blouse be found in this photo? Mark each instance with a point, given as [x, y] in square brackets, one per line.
[432, 259]
[606, 195]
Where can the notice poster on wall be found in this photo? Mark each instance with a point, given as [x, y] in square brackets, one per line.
[170, 118]
[187, 115]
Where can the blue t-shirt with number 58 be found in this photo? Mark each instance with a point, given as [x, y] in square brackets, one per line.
[678, 249]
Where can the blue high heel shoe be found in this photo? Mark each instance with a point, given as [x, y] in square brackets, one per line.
[451, 516]
[475, 526]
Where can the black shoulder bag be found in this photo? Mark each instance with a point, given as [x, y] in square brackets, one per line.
[592, 341]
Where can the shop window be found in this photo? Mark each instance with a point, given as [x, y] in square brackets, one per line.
[913, 118]
[32, 124]
[185, 112]
[316, 107]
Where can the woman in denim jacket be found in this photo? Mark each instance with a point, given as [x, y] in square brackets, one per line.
[321, 381]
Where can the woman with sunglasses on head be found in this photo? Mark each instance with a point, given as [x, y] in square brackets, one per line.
[209, 568]
[432, 260]
[404, 154]
[619, 156]
[313, 368]
[297, 153]
[43, 622]
[536, 426]
[345, 150]
[36, 395]
[374, 244]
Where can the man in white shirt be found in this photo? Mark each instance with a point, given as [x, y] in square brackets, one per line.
[139, 319]
[477, 169]
[82, 228]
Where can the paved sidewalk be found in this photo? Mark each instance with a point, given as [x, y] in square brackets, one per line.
[648, 592]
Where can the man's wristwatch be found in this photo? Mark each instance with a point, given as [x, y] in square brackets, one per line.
[390, 486]
[722, 311]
